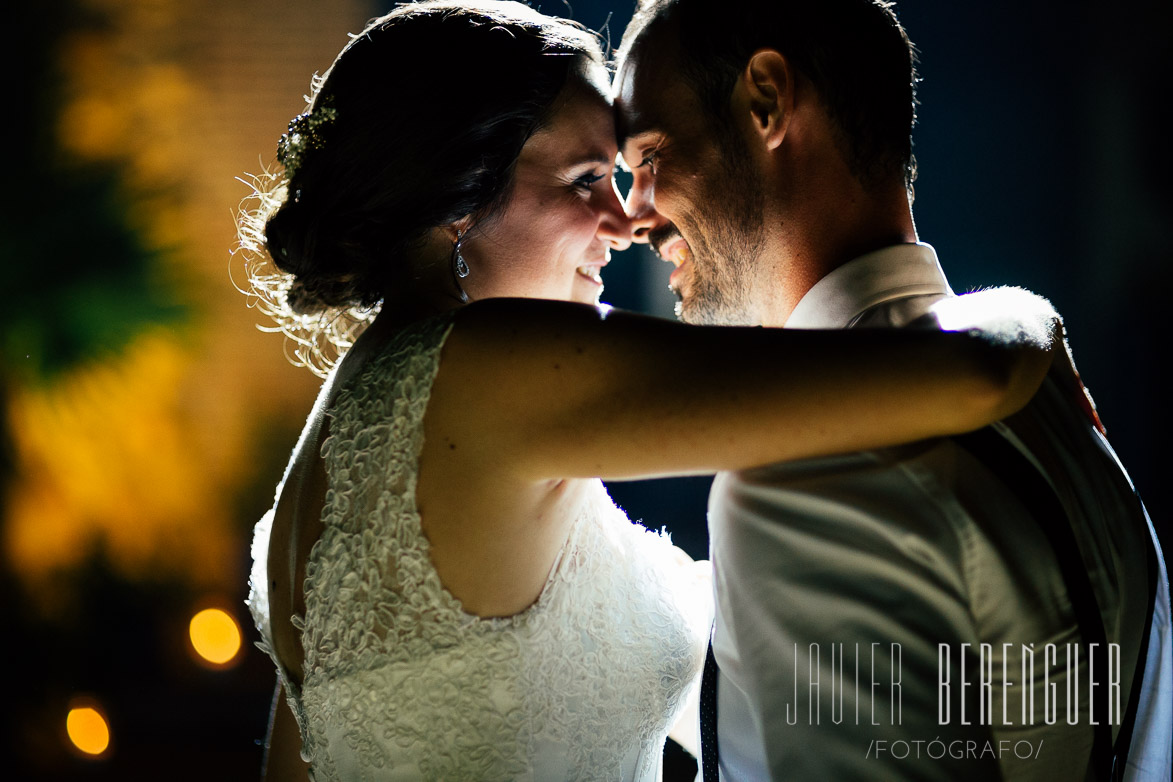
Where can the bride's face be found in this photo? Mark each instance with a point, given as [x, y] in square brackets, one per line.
[563, 215]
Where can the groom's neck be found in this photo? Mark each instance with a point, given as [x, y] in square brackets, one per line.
[824, 233]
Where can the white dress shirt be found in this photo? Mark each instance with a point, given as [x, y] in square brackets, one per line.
[850, 572]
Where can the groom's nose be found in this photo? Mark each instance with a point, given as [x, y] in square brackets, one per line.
[641, 210]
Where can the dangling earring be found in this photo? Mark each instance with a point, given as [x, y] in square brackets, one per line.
[460, 268]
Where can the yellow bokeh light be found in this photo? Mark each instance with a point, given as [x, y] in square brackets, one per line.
[215, 635]
[88, 730]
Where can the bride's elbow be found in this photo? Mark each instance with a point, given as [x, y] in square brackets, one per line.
[1006, 378]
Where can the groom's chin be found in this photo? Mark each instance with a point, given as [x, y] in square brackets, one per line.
[682, 311]
[699, 305]
[685, 311]
[688, 312]
[714, 311]
[693, 316]
[690, 308]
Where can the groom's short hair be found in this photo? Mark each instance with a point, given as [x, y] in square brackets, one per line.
[854, 52]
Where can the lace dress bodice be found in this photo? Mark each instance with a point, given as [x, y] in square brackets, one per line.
[400, 683]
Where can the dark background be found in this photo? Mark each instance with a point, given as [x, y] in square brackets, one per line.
[1043, 159]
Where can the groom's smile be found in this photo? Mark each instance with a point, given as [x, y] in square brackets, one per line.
[673, 249]
[695, 195]
[677, 252]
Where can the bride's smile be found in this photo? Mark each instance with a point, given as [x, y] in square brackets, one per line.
[563, 215]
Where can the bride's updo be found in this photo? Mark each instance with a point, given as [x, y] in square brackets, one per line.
[418, 123]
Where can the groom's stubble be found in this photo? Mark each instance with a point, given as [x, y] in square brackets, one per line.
[727, 237]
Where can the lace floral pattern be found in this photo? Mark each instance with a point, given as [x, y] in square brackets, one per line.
[402, 683]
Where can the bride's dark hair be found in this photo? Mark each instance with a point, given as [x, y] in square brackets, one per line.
[418, 123]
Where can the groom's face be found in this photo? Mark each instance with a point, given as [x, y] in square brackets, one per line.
[695, 196]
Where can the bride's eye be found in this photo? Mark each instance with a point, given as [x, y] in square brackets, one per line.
[587, 180]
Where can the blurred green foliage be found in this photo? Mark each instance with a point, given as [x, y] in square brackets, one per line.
[77, 278]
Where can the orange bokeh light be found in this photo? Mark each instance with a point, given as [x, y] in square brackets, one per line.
[215, 636]
[88, 730]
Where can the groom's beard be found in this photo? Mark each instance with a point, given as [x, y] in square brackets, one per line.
[726, 241]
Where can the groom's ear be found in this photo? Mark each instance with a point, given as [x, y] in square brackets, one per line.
[768, 83]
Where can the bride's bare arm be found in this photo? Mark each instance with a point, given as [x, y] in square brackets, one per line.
[553, 390]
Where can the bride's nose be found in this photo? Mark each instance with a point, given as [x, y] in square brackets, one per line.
[614, 225]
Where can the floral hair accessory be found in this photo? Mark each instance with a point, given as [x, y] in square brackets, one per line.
[306, 131]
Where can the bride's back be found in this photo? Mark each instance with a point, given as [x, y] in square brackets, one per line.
[401, 682]
[432, 614]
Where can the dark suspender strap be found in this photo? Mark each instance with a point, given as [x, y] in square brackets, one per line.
[1029, 485]
[709, 757]
[1124, 737]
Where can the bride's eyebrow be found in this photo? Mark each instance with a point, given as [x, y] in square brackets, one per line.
[590, 158]
[597, 158]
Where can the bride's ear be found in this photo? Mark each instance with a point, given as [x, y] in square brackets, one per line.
[458, 228]
[767, 87]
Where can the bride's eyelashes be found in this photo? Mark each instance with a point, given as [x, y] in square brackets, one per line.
[586, 181]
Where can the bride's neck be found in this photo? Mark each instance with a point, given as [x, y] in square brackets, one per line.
[426, 285]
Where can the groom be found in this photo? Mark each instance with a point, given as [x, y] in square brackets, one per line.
[967, 608]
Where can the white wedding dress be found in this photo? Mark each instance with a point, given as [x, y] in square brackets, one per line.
[402, 684]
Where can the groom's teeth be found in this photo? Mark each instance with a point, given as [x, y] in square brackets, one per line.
[680, 255]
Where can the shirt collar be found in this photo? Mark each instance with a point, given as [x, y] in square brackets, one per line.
[894, 272]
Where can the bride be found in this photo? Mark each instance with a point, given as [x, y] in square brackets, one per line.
[443, 583]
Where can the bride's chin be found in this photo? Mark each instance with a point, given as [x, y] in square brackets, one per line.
[592, 295]
[593, 300]
[584, 291]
